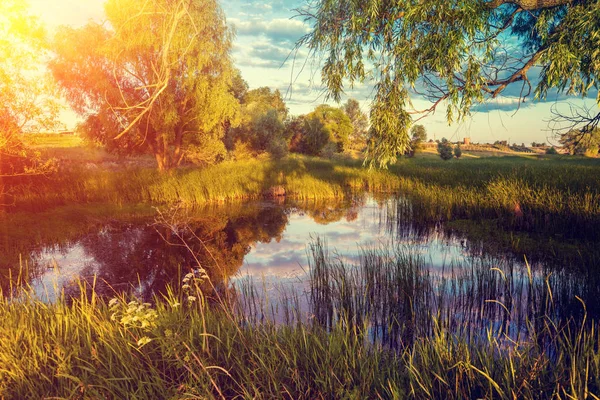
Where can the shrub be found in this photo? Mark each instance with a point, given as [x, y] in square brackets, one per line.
[208, 151]
[268, 129]
[241, 151]
[329, 150]
[316, 136]
[444, 149]
[457, 151]
[551, 150]
[278, 148]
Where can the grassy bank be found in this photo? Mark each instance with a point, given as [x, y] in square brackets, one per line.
[301, 176]
[548, 194]
[182, 347]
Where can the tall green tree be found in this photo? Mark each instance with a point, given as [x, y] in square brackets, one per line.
[315, 136]
[259, 101]
[360, 123]
[453, 52]
[259, 107]
[444, 149]
[157, 76]
[337, 124]
[418, 135]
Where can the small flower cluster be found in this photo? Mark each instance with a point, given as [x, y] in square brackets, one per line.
[133, 314]
[193, 279]
[198, 275]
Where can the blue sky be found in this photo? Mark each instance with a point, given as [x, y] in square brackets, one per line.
[263, 51]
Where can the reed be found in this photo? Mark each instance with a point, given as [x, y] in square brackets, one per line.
[526, 194]
[384, 328]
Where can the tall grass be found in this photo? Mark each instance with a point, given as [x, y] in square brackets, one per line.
[483, 330]
[185, 346]
[176, 349]
[529, 194]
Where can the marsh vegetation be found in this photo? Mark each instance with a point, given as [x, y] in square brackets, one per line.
[191, 238]
[447, 289]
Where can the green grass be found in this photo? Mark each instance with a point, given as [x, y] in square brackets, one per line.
[302, 177]
[179, 348]
[550, 194]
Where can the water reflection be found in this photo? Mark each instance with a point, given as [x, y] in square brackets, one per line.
[146, 257]
[267, 241]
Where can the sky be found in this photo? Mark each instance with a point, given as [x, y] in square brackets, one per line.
[266, 33]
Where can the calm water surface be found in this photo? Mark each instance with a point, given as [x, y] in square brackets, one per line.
[266, 243]
[264, 240]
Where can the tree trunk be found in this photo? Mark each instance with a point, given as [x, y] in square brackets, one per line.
[177, 153]
[2, 190]
[159, 162]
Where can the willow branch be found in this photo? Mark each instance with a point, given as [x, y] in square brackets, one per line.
[529, 5]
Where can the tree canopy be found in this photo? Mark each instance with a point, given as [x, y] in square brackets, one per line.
[157, 76]
[26, 93]
[263, 112]
[336, 123]
[452, 53]
[360, 123]
[26, 100]
[418, 135]
[581, 143]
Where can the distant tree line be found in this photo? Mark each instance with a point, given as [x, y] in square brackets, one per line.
[581, 142]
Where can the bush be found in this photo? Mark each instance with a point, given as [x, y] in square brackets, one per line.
[329, 150]
[444, 149]
[241, 151]
[316, 136]
[208, 151]
[268, 129]
[591, 151]
[551, 150]
[457, 151]
[278, 148]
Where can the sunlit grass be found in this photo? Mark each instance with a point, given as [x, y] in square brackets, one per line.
[186, 347]
[52, 140]
[523, 193]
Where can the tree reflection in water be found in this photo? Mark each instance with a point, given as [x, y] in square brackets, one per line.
[151, 256]
[144, 256]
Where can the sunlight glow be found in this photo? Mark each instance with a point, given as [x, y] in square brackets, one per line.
[68, 12]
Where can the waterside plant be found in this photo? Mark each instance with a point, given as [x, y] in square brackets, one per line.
[194, 343]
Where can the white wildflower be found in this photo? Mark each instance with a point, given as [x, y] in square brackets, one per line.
[143, 341]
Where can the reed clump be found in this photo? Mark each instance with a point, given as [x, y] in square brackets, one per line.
[384, 328]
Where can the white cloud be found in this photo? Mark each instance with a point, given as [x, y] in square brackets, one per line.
[279, 30]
